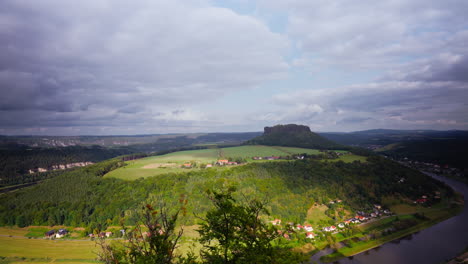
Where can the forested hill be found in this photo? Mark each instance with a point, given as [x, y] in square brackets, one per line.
[293, 136]
[17, 160]
[83, 198]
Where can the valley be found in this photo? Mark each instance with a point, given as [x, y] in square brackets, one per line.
[342, 199]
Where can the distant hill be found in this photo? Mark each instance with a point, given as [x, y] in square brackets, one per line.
[440, 147]
[292, 136]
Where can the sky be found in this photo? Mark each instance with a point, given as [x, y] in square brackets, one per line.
[110, 67]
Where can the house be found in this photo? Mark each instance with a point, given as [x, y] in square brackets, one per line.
[299, 227]
[422, 200]
[308, 228]
[310, 235]
[377, 206]
[332, 228]
[347, 222]
[187, 165]
[108, 234]
[257, 158]
[276, 222]
[232, 163]
[222, 162]
[102, 235]
[49, 233]
[341, 225]
[208, 166]
[61, 233]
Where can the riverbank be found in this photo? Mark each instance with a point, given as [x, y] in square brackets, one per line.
[352, 248]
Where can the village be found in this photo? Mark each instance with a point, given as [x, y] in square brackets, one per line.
[308, 231]
[61, 167]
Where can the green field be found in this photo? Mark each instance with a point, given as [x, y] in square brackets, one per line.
[48, 250]
[317, 213]
[157, 165]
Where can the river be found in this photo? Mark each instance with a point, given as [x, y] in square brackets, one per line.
[435, 244]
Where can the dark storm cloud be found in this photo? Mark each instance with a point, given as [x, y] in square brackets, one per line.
[95, 63]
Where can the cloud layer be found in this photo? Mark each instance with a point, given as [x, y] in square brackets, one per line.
[116, 63]
[120, 67]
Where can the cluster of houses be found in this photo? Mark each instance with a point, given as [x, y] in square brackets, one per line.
[300, 157]
[431, 167]
[267, 158]
[56, 233]
[425, 198]
[101, 235]
[222, 162]
[359, 218]
[61, 167]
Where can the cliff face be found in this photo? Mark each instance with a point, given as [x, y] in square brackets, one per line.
[291, 128]
[292, 136]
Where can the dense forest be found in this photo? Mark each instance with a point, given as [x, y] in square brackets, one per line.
[82, 197]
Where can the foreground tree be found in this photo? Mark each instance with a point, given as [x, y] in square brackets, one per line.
[235, 233]
[231, 232]
[152, 240]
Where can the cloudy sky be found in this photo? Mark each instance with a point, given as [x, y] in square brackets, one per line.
[155, 66]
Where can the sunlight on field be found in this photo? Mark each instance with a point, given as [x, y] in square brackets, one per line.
[317, 213]
[42, 248]
[172, 162]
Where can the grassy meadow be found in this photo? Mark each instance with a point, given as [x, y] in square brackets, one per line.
[172, 162]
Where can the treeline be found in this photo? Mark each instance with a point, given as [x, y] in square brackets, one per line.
[452, 152]
[83, 198]
[16, 160]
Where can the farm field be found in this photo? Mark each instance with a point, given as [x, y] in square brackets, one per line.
[46, 251]
[172, 162]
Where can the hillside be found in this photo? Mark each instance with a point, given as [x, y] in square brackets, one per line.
[84, 198]
[292, 136]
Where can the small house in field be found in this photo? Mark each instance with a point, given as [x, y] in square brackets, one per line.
[341, 225]
[208, 166]
[108, 234]
[232, 163]
[276, 222]
[299, 227]
[310, 235]
[61, 233]
[308, 228]
[187, 165]
[222, 162]
[50, 233]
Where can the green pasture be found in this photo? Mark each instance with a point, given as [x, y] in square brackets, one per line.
[172, 162]
[76, 250]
